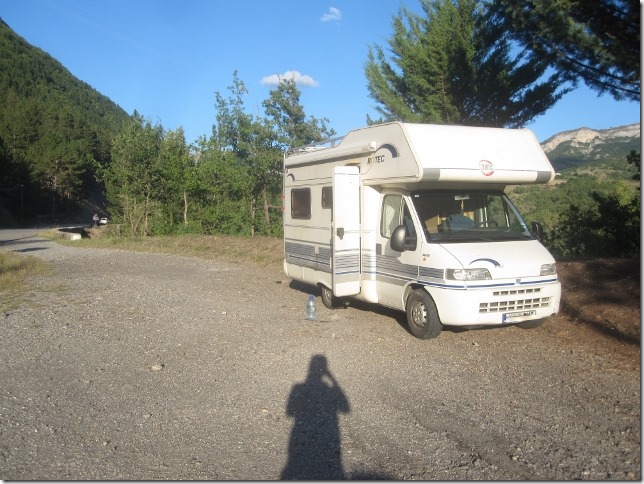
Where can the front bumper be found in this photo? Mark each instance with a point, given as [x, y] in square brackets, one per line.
[499, 305]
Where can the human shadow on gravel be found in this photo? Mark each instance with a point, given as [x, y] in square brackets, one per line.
[314, 449]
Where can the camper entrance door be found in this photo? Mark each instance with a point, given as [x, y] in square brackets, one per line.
[346, 231]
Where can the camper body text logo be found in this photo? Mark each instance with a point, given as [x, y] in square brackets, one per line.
[376, 159]
[487, 168]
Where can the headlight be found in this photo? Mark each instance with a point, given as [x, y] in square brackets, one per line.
[548, 269]
[468, 274]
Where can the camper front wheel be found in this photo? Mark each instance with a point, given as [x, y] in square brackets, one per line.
[328, 299]
[422, 316]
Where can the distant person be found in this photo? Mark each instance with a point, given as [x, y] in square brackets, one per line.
[96, 219]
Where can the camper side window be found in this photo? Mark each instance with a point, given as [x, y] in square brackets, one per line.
[391, 206]
[327, 197]
[301, 203]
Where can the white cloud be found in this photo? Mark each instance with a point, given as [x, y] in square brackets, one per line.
[300, 79]
[333, 15]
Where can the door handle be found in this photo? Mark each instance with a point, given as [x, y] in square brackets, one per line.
[340, 232]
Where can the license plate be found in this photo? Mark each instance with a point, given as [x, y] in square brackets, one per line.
[517, 317]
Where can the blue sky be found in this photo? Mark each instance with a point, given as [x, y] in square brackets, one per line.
[167, 58]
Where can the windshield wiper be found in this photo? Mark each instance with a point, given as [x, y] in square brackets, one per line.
[480, 237]
[506, 237]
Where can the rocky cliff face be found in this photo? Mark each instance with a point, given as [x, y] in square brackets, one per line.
[586, 138]
[584, 145]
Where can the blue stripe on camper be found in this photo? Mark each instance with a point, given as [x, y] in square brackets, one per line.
[383, 268]
[304, 255]
[430, 273]
[347, 262]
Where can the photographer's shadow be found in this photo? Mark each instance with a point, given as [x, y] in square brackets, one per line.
[314, 450]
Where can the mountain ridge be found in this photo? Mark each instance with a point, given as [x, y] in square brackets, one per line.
[584, 145]
[589, 135]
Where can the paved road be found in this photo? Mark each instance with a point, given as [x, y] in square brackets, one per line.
[132, 366]
[12, 235]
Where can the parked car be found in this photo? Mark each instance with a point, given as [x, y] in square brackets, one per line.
[102, 221]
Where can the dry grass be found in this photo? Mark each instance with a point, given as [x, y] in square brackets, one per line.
[259, 251]
[14, 271]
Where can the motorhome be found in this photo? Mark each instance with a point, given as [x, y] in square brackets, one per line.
[415, 217]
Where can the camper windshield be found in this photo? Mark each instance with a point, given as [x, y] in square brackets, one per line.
[469, 216]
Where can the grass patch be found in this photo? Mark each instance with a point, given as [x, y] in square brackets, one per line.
[14, 271]
[257, 251]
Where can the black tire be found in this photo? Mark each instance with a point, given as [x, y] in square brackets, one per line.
[328, 299]
[536, 323]
[422, 316]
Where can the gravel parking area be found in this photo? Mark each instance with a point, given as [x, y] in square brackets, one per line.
[134, 366]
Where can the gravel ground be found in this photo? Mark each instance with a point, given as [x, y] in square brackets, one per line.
[134, 366]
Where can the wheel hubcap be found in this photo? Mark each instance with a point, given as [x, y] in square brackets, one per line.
[419, 314]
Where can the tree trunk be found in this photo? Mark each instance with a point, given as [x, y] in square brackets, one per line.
[185, 209]
[252, 216]
[267, 217]
[147, 210]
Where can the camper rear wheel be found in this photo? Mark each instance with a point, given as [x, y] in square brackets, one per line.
[422, 315]
[328, 299]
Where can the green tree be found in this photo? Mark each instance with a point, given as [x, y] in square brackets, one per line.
[63, 157]
[134, 175]
[597, 41]
[14, 183]
[175, 169]
[452, 66]
[257, 144]
[611, 228]
[604, 224]
[220, 192]
[251, 142]
[285, 112]
[634, 158]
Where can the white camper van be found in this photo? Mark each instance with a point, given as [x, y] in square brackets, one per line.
[414, 217]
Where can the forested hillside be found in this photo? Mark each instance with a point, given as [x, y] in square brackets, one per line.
[593, 206]
[56, 134]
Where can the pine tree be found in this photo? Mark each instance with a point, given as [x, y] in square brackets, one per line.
[453, 67]
[597, 41]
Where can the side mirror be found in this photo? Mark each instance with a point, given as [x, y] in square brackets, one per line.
[399, 239]
[537, 231]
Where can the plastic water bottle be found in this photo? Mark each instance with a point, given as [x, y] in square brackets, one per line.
[310, 308]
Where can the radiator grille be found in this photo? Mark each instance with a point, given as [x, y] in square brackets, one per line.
[512, 292]
[515, 304]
